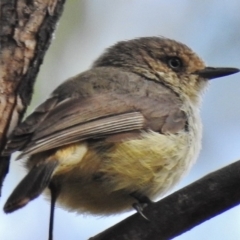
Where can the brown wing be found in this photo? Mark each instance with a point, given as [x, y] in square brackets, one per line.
[72, 120]
[75, 119]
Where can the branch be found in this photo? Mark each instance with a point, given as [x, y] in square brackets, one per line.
[179, 212]
[26, 29]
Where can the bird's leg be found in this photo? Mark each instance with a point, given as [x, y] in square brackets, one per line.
[143, 201]
[54, 190]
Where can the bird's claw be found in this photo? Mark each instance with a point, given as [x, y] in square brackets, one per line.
[139, 208]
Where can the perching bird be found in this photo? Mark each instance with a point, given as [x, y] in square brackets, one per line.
[119, 134]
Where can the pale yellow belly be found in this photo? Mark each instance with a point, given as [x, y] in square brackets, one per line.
[100, 181]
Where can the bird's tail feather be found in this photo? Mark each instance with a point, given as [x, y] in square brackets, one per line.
[31, 186]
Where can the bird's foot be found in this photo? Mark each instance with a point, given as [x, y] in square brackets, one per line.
[139, 208]
[143, 201]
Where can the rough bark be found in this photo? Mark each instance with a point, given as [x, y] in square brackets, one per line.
[26, 28]
[179, 212]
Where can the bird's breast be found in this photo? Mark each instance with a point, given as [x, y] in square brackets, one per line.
[98, 177]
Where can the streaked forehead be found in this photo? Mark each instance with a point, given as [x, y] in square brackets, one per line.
[165, 45]
[168, 47]
[136, 51]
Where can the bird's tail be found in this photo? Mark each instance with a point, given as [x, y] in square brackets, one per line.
[31, 186]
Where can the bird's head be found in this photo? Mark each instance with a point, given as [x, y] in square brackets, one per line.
[164, 60]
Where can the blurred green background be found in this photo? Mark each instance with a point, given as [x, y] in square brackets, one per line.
[210, 27]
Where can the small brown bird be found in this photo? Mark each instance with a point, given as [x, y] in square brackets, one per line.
[117, 135]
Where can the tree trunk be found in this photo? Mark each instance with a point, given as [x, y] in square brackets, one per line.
[26, 29]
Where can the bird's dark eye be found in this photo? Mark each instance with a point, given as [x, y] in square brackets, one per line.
[175, 63]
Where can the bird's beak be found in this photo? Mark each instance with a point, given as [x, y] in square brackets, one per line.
[211, 72]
